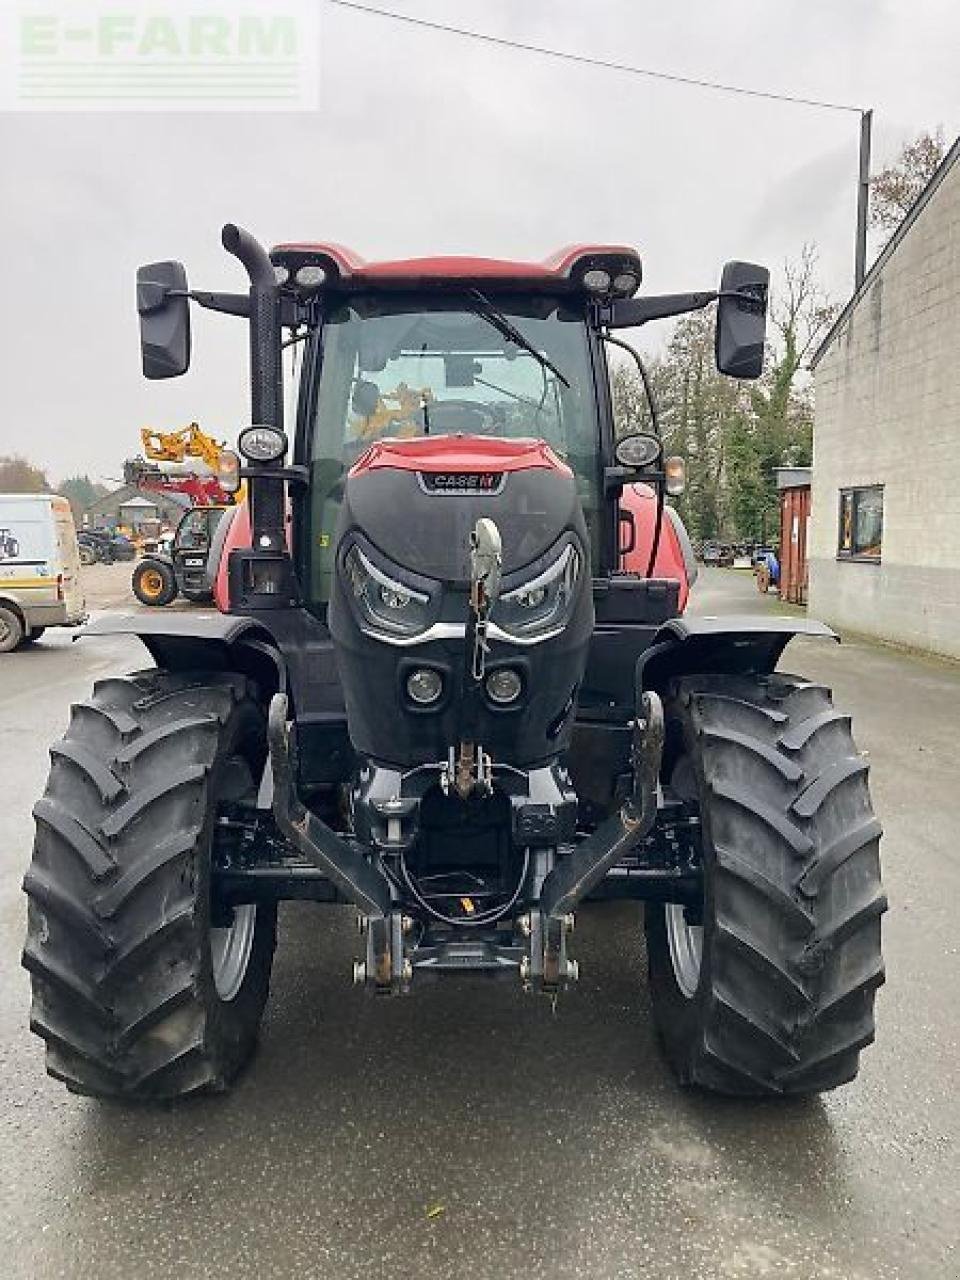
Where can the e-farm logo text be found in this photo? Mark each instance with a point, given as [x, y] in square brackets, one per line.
[173, 55]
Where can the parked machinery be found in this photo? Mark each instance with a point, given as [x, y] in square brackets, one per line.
[184, 570]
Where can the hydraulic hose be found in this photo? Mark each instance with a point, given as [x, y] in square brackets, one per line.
[574, 877]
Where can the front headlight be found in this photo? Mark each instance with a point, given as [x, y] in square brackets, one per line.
[383, 604]
[545, 602]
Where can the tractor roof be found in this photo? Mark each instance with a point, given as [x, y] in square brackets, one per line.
[565, 268]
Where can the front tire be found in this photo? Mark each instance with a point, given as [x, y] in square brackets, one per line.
[141, 988]
[769, 988]
[154, 583]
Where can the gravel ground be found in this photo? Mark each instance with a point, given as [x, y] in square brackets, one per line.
[107, 586]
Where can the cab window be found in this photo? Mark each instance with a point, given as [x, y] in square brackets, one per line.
[394, 367]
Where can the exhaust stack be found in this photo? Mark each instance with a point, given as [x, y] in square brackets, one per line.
[266, 381]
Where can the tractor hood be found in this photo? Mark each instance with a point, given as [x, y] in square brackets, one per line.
[418, 500]
[401, 599]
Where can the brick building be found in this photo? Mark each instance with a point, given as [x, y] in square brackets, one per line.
[884, 547]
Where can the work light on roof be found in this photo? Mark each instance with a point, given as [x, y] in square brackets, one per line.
[625, 283]
[310, 276]
[597, 280]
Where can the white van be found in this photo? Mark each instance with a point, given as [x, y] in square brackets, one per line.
[39, 567]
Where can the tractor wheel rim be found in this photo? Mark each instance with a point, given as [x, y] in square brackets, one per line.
[686, 948]
[152, 584]
[230, 949]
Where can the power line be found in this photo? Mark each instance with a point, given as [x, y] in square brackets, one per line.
[584, 60]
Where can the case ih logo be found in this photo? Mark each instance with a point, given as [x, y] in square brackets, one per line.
[462, 481]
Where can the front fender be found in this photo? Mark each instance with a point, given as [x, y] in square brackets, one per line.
[202, 642]
[732, 645]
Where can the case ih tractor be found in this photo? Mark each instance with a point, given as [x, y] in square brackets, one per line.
[451, 684]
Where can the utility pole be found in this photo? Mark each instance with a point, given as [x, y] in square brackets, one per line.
[863, 200]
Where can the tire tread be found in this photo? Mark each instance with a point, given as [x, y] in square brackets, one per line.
[786, 998]
[113, 920]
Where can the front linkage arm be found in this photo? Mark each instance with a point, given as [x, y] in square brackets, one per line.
[349, 870]
[584, 868]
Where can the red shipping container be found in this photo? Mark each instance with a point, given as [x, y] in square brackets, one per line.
[794, 486]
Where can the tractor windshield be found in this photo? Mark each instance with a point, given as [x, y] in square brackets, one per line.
[397, 367]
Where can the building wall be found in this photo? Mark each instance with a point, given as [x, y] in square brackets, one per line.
[888, 412]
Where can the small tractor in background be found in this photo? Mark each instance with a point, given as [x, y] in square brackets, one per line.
[182, 570]
[451, 684]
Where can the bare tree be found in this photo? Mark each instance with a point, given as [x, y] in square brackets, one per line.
[734, 434]
[801, 312]
[895, 188]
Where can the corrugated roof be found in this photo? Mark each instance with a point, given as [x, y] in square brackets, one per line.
[921, 202]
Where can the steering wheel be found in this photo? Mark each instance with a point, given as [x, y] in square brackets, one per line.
[464, 416]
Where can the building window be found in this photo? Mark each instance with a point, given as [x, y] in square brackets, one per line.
[861, 523]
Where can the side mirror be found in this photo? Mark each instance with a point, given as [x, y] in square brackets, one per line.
[164, 310]
[742, 319]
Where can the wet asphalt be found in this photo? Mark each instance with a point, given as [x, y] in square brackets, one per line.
[470, 1132]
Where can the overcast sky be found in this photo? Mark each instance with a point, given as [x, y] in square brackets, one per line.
[424, 142]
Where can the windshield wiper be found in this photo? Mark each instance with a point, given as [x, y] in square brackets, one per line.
[492, 315]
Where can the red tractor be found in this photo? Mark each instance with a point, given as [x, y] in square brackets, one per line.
[451, 684]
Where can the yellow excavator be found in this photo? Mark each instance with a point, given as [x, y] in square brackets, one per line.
[166, 466]
[177, 446]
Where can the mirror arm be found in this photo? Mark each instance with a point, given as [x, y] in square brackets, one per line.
[751, 299]
[292, 312]
[630, 313]
[231, 304]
